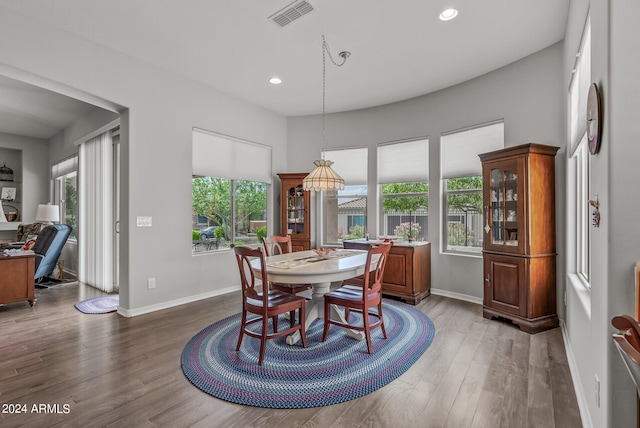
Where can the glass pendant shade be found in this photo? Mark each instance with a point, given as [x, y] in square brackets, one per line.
[323, 178]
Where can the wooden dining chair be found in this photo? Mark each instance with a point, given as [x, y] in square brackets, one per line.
[274, 245]
[266, 303]
[361, 299]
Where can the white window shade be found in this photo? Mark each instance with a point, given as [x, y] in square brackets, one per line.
[220, 156]
[459, 150]
[579, 89]
[350, 164]
[403, 162]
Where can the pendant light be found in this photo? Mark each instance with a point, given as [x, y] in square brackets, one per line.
[323, 178]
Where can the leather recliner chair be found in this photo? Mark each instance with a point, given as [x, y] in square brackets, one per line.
[48, 247]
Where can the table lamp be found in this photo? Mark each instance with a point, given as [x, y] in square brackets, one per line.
[47, 213]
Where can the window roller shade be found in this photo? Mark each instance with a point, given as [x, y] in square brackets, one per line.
[459, 150]
[219, 156]
[403, 162]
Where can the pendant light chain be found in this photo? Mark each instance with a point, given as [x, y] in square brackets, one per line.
[344, 55]
[323, 178]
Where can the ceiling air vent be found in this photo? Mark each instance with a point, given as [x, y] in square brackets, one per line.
[291, 12]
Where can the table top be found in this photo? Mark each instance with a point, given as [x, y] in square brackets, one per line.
[304, 267]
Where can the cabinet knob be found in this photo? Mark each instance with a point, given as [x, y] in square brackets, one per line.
[487, 280]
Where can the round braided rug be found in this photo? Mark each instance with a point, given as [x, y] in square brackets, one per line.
[291, 376]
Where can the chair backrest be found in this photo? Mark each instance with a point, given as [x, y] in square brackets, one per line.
[373, 279]
[248, 279]
[628, 344]
[276, 244]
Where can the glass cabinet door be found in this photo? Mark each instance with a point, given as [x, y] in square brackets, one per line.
[295, 211]
[502, 216]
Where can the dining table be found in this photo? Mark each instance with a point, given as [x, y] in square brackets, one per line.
[307, 267]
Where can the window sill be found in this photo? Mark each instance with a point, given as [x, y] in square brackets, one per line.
[581, 291]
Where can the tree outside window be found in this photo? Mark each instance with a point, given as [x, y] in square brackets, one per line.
[405, 207]
[236, 209]
[463, 213]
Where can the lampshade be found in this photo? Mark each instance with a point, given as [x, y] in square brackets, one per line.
[323, 178]
[47, 213]
[3, 219]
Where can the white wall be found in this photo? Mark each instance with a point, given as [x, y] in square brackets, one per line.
[527, 94]
[35, 172]
[160, 111]
[615, 246]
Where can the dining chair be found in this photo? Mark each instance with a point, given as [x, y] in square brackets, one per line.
[361, 299]
[627, 341]
[274, 245]
[266, 303]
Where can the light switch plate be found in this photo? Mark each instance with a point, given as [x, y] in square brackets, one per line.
[144, 221]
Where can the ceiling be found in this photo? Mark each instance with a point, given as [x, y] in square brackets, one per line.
[399, 49]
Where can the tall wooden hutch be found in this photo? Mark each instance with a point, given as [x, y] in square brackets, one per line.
[295, 211]
[519, 247]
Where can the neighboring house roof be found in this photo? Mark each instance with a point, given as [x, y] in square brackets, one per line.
[360, 204]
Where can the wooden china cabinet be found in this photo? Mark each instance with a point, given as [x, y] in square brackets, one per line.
[294, 213]
[519, 248]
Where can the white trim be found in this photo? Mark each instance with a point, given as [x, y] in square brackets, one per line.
[575, 377]
[41, 82]
[177, 302]
[457, 296]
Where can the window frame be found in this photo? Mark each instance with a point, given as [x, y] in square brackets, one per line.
[212, 248]
[60, 173]
[465, 250]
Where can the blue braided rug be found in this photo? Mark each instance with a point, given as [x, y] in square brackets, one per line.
[293, 377]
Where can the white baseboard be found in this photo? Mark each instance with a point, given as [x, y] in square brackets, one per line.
[458, 296]
[577, 383]
[183, 300]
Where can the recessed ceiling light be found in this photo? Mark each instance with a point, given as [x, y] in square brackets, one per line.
[448, 14]
[275, 81]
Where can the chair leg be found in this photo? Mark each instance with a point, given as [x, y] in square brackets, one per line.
[242, 325]
[263, 339]
[367, 330]
[275, 324]
[327, 314]
[384, 332]
[347, 313]
[303, 329]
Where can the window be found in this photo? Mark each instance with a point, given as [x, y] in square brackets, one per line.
[403, 175]
[579, 168]
[345, 212]
[461, 171]
[229, 192]
[65, 176]
[582, 192]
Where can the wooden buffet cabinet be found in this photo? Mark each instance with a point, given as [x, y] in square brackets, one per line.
[294, 212]
[519, 249]
[407, 274]
[17, 278]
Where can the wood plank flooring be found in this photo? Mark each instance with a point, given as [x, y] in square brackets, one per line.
[112, 371]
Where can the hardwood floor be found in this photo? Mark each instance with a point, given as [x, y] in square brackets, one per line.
[106, 370]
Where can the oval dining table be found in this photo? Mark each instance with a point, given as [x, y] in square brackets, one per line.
[305, 267]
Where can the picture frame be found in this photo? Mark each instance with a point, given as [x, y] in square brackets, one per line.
[8, 193]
